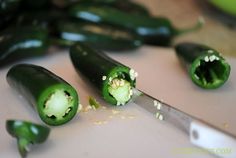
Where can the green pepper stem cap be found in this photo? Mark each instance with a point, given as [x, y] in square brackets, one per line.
[196, 27]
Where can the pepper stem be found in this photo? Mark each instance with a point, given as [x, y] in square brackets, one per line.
[23, 146]
[196, 27]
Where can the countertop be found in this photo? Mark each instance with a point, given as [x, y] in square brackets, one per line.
[127, 131]
[130, 131]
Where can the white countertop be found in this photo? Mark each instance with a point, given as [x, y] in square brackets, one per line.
[127, 131]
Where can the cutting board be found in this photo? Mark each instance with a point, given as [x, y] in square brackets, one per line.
[127, 131]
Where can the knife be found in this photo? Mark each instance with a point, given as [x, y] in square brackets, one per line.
[201, 133]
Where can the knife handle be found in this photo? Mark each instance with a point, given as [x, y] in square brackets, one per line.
[212, 140]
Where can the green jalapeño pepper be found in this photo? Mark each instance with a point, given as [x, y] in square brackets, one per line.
[125, 6]
[103, 37]
[41, 18]
[54, 99]
[26, 133]
[206, 67]
[35, 5]
[22, 42]
[131, 7]
[153, 30]
[113, 80]
[8, 6]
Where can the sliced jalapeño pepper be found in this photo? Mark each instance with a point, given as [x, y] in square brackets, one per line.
[113, 80]
[206, 67]
[153, 30]
[27, 133]
[53, 98]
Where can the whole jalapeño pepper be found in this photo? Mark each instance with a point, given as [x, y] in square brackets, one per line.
[9, 6]
[125, 6]
[153, 30]
[206, 67]
[26, 133]
[113, 80]
[55, 101]
[22, 42]
[103, 36]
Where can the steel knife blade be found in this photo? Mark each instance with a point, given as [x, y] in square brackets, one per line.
[201, 133]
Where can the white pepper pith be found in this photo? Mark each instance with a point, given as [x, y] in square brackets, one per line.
[121, 90]
[58, 105]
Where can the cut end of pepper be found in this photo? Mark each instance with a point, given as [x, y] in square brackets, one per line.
[58, 105]
[210, 71]
[121, 90]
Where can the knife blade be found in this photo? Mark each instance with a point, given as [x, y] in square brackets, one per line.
[201, 133]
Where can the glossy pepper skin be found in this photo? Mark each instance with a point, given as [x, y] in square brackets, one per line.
[22, 42]
[35, 5]
[103, 37]
[27, 133]
[125, 6]
[206, 67]
[153, 30]
[55, 101]
[99, 69]
[45, 18]
[8, 6]
[41, 18]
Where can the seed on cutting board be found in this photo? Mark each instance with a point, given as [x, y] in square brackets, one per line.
[115, 112]
[131, 116]
[161, 117]
[100, 122]
[97, 122]
[80, 108]
[155, 102]
[103, 107]
[157, 115]
[122, 117]
[226, 125]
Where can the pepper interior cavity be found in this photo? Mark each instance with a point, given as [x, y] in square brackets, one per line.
[210, 71]
[58, 105]
[121, 90]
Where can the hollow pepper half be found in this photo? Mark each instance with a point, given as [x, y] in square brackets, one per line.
[26, 133]
[206, 67]
[54, 99]
[113, 80]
